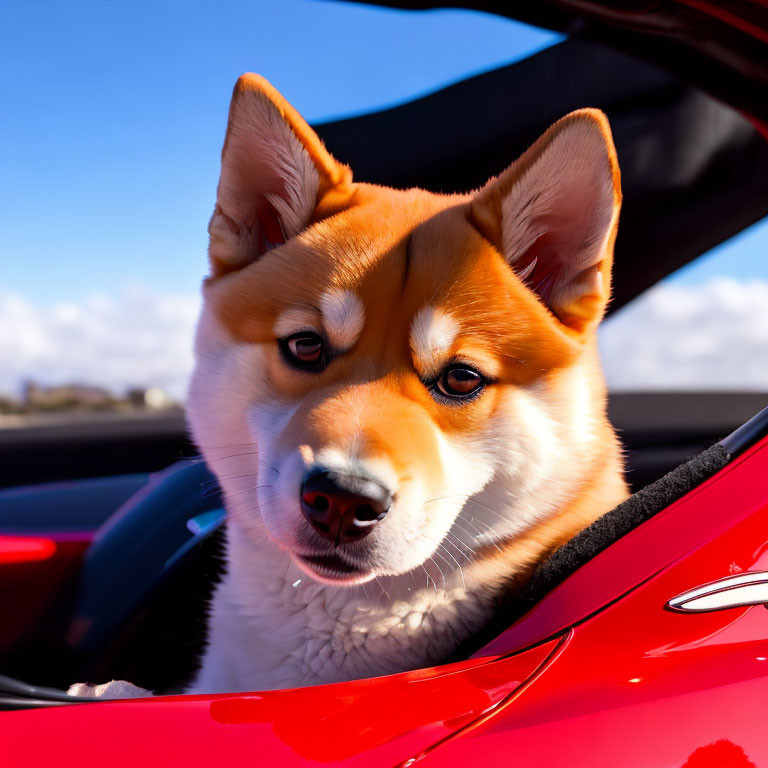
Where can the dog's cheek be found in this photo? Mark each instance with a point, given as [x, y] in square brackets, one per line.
[534, 472]
[525, 437]
[279, 472]
[226, 378]
[268, 422]
[229, 378]
[426, 509]
[279, 503]
[553, 428]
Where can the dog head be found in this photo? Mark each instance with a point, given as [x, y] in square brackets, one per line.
[384, 376]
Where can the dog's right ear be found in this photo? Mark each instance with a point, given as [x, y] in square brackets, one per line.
[274, 169]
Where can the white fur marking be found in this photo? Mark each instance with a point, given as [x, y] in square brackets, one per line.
[343, 317]
[433, 331]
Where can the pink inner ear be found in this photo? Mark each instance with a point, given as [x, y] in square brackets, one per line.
[269, 227]
[542, 268]
[245, 190]
[564, 249]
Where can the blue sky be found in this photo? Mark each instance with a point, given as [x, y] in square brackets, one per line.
[743, 257]
[113, 117]
[114, 114]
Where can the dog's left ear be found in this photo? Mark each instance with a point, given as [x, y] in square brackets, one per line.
[553, 215]
[274, 170]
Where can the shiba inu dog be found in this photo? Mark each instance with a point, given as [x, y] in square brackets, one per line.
[399, 392]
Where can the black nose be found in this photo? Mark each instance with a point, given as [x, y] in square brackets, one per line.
[343, 508]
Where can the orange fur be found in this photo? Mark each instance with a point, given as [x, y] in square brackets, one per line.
[400, 250]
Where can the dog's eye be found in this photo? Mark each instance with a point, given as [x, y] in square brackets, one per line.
[459, 381]
[306, 348]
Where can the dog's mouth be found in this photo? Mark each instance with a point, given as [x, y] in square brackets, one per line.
[332, 569]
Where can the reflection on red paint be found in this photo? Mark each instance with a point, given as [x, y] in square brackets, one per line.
[334, 723]
[25, 549]
[374, 723]
[720, 754]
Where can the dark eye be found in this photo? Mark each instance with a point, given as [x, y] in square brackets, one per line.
[305, 349]
[458, 381]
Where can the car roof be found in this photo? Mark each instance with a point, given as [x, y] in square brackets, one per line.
[686, 102]
[721, 47]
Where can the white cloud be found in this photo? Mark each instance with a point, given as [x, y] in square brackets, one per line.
[710, 336]
[134, 338]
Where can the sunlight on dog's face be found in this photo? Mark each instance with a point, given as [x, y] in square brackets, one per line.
[382, 395]
[385, 378]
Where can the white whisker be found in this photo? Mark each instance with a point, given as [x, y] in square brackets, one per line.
[440, 570]
[461, 572]
[481, 533]
[460, 544]
[429, 578]
[381, 587]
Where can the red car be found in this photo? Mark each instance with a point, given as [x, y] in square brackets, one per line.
[641, 642]
[652, 650]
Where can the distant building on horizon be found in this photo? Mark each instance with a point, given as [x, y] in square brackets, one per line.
[64, 396]
[77, 397]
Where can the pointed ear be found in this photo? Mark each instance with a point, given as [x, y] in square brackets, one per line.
[274, 169]
[553, 215]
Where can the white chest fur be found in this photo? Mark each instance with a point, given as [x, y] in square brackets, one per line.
[272, 627]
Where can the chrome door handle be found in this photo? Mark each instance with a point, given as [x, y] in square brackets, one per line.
[750, 588]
